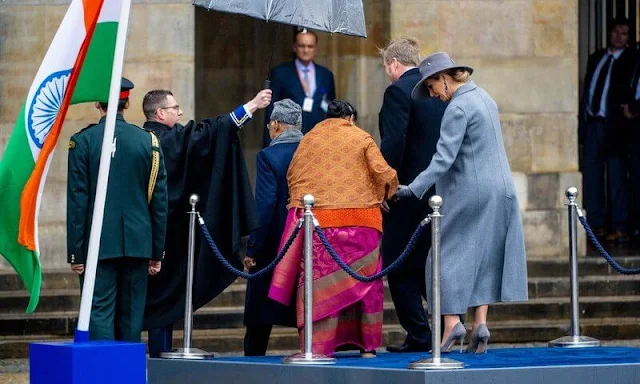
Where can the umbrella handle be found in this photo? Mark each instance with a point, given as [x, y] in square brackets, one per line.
[267, 82]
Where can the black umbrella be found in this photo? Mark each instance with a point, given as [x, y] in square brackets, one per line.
[334, 16]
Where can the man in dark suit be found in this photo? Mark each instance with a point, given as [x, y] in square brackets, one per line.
[603, 133]
[307, 83]
[272, 195]
[409, 130]
[135, 218]
[631, 112]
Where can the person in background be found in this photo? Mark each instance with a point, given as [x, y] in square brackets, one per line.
[604, 135]
[304, 81]
[631, 111]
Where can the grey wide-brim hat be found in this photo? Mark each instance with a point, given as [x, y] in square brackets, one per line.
[287, 112]
[432, 65]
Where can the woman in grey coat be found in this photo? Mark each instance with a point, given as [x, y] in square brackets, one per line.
[483, 254]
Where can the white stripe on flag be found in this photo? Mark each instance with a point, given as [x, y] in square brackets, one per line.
[110, 11]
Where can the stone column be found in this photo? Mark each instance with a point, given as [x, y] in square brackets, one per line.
[159, 54]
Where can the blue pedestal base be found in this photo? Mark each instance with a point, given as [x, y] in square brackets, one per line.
[619, 365]
[94, 362]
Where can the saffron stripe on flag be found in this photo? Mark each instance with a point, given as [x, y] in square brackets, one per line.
[28, 153]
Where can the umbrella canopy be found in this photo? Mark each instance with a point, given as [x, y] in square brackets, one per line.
[334, 16]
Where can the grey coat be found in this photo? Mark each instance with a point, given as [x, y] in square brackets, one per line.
[483, 255]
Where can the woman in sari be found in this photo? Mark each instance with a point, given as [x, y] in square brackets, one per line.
[342, 167]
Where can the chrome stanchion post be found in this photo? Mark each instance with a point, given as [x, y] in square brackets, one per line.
[188, 352]
[308, 357]
[575, 340]
[435, 361]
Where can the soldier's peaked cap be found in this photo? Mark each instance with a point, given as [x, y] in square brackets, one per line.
[125, 86]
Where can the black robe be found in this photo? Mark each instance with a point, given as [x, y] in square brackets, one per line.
[204, 158]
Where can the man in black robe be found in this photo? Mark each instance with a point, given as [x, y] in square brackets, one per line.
[203, 158]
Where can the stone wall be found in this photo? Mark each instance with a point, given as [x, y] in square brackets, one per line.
[159, 54]
[524, 53]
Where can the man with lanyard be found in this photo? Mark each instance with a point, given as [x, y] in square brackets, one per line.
[304, 81]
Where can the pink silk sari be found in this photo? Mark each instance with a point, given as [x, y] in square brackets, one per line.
[345, 311]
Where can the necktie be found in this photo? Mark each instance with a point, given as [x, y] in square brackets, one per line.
[305, 78]
[596, 98]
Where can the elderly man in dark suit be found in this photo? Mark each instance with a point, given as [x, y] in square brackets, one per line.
[272, 195]
[409, 130]
[305, 82]
[603, 133]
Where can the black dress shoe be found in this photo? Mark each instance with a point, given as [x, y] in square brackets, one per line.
[408, 348]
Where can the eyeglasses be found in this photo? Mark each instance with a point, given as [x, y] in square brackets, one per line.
[176, 107]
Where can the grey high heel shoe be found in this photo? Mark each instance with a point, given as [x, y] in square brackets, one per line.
[457, 334]
[479, 340]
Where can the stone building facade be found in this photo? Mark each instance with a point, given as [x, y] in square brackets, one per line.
[525, 53]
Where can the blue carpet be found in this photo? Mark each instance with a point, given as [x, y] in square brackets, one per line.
[494, 358]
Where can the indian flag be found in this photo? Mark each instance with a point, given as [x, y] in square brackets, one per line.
[76, 68]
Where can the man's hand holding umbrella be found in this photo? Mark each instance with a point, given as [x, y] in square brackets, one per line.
[260, 101]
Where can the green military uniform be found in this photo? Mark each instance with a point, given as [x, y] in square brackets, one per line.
[134, 223]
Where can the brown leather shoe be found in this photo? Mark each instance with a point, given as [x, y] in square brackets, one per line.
[617, 237]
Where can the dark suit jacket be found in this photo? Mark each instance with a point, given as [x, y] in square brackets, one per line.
[272, 194]
[132, 226]
[285, 84]
[409, 130]
[634, 104]
[634, 124]
[618, 94]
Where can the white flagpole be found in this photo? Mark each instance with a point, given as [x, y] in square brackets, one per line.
[91, 263]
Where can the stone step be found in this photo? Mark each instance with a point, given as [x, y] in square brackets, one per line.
[539, 287]
[51, 300]
[588, 266]
[15, 301]
[285, 340]
[533, 310]
[51, 279]
[547, 309]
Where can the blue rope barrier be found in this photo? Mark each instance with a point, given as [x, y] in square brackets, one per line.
[603, 252]
[243, 274]
[390, 268]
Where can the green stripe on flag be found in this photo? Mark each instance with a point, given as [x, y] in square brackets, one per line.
[15, 168]
[95, 76]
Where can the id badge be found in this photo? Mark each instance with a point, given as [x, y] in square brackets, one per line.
[307, 106]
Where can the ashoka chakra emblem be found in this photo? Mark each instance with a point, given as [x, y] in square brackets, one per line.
[45, 106]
